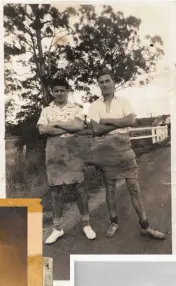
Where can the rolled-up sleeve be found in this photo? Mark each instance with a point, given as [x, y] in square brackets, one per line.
[43, 118]
[93, 113]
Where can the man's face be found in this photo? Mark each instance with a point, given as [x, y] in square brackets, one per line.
[60, 93]
[106, 84]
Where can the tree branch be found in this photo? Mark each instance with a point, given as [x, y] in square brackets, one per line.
[51, 42]
[17, 36]
[26, 43]
[61, 38]
[49, 65]
[46, 22]
[119, 85]
[35, 55]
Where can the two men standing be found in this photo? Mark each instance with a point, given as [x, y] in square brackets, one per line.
[111, 117]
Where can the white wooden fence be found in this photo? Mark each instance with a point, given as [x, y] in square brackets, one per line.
[157, 133]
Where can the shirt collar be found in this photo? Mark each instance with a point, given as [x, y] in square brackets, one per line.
[69, 104]
[101, 98]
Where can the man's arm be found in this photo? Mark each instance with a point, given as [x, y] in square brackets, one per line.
[100, 129]
[127, 121]
[49, 130]
[70, 126]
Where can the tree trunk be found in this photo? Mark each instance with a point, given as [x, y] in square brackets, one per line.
[46, 95]
[38, 25]
[44, 86]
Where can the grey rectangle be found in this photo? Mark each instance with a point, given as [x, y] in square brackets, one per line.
[113, 273]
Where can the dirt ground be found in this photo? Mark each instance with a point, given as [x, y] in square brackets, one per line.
[155, 181]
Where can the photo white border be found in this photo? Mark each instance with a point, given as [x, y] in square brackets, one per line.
[173, 135]
[2, 114]
[74, 258]
[61, 283]
[4, 2]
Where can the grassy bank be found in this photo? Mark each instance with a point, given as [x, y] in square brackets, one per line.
[26, 177]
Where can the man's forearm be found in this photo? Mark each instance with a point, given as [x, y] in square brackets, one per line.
[50, 131]
[100, 130]
[127, 121]
[70, 126]
[104, 129]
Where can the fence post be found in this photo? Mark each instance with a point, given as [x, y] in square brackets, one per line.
[159, 133]
[162, 133]
[167, 133]
[153, 135]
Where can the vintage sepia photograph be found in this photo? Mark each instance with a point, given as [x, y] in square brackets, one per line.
[88, 124]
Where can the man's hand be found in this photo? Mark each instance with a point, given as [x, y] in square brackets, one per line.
[50, 130]
[127, 121]
[54, 123]
[84, 132]
[71, 126]
[101, 129]
[104, 121]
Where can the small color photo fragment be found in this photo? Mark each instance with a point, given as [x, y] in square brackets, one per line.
[21, 256]
[13, 246]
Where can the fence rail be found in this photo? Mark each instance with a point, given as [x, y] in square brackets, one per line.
[157, 133]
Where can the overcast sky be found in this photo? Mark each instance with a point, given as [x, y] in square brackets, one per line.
[125, 273]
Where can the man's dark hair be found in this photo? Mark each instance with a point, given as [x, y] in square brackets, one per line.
[60, 82]
[105, 72]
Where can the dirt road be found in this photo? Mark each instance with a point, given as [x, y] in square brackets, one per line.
[155, 181]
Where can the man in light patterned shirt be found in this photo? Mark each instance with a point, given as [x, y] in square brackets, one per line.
[111, 118]
[59, 121]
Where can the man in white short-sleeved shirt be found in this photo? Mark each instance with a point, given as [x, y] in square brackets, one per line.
[119, 108]
[62, 119]
[113, 116]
